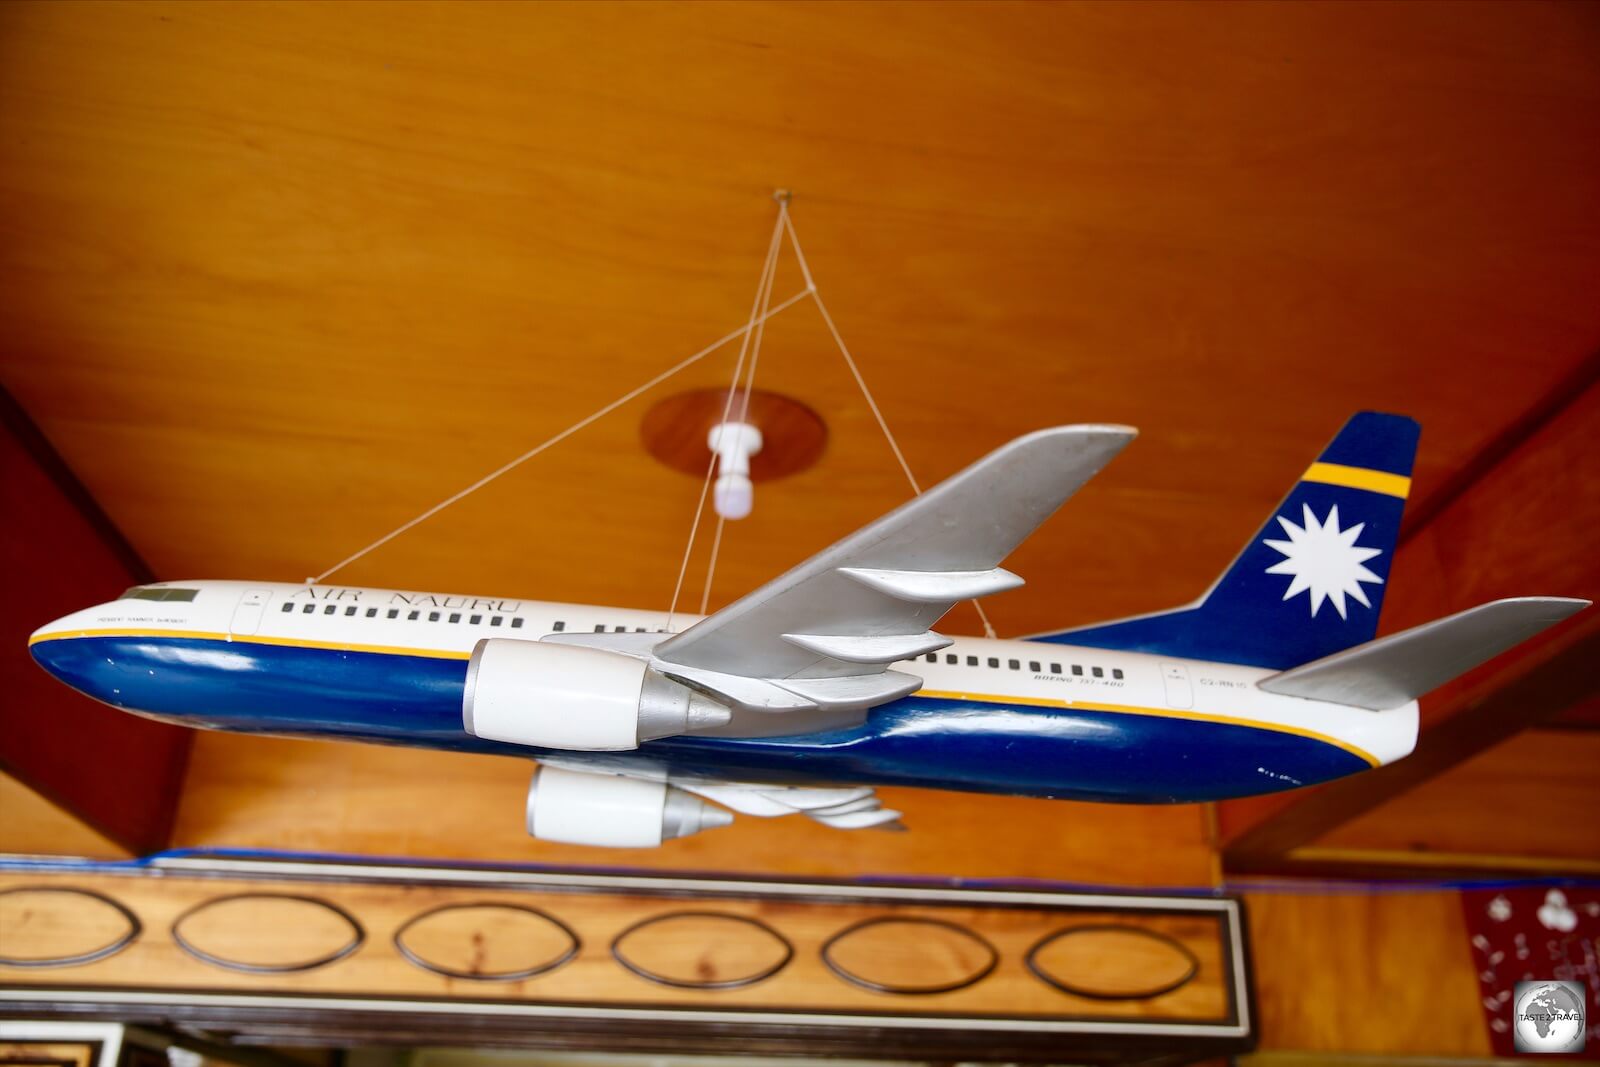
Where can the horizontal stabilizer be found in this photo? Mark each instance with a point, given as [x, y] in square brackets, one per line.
[1395, 670]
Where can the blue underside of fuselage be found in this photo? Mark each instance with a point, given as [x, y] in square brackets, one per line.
[918, 741]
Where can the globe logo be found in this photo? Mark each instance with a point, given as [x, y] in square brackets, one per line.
[1550, 1016]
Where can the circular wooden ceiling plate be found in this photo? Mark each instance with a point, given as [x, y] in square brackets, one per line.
[794, 437]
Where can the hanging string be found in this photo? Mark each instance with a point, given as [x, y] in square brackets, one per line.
[743, 331]
[757, 318]
[744, 411]
[877, 413]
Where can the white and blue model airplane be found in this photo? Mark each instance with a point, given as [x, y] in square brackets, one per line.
[829, 681]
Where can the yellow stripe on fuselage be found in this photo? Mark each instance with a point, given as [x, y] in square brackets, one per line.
[981, 698]
[256, 639]
[1359, 478]
[1160, 713]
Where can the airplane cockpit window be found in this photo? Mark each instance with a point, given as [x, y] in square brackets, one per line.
[154, 592]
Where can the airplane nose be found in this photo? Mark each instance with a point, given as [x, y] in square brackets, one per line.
[48, 650]
[54, 646]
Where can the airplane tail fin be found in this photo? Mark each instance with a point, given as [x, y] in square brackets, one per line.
[1310, 582]
[1395, 670]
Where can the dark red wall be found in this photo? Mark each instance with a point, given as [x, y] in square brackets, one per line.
[58, 553]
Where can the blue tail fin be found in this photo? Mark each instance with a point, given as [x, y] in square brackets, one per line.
[1311, 581]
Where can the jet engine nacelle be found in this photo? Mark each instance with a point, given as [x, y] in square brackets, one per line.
[562, 696]
[579, 808]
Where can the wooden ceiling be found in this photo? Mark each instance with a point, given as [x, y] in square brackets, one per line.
[274, 278]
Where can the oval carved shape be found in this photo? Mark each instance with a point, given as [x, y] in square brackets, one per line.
[267, 933]
[1112, 962]
[702, 950]
[909, 956]
[50, 926]
[486, 942]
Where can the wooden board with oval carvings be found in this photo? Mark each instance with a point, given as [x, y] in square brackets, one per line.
[535, 955]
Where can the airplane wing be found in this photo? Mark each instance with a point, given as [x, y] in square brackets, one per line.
[816, 642]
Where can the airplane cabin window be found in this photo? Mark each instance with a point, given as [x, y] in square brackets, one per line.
[1077, 671]
[308, 609]
[558, 626]
[931, 658]
[496, 620]
[372, 613]
[433, 616]
[1033, 665]
[1015, 665]
[1116, 672]
[330, 609]
[1098, 673]
[455, 616]
[516, 624]
[351, 610]
[599, 627]
[972, 661]
[1055, 668]
[952, 659]
[288, 608]
[413, 616]
[619, 629]
[475, 620]
[393, 613]
[993, 662]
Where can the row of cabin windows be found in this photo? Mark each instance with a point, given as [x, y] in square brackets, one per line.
[434, 616]
[414, 615]
[1034, 665]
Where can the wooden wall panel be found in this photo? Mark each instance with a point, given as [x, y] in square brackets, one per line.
[1528, 801]
[30, 825]
[117, 774]
[267, 793]
[1379, 973]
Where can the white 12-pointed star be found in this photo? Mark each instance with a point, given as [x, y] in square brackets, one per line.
[1324, 561]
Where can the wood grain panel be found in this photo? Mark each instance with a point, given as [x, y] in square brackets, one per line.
[1532, 796]
[34, 826]
[1355, 973]
[248, 912]
[312, 796]
[74, 760]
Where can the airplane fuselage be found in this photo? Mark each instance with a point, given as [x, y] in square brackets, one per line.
[1018, 717]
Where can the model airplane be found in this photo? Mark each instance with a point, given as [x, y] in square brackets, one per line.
[828, 680]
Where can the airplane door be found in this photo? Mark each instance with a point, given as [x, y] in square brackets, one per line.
[1180, 694]
[247, 616]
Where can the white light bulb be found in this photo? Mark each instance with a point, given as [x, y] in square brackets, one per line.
[734, 443]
